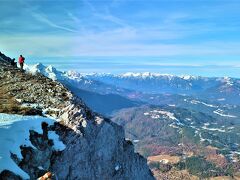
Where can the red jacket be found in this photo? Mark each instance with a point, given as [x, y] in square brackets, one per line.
[21, 60]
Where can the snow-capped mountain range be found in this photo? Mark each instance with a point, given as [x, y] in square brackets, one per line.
[151, 83]
[182, 81]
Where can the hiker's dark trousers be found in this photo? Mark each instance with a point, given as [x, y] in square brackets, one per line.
[21, 66]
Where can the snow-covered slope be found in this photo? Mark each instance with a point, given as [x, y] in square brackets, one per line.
[48, 71]
[54, 74]
[14, 132]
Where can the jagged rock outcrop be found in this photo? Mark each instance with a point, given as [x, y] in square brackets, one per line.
[95, 146]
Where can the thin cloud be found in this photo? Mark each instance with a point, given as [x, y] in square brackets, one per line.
[35, 12]
[44, 19]
[112, 19]
[106, 15]
[92, 8]
[73, 17]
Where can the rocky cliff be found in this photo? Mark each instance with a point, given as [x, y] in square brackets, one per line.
[95, 147]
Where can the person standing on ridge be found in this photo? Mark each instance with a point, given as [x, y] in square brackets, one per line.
[21, 61]
[13, 63]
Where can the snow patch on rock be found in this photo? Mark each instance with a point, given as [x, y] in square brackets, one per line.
[221, 113]
[155, 114]
[14, 132]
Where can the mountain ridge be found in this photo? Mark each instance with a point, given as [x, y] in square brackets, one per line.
[94, 144]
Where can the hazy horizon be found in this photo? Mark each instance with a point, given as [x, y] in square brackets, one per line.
[120, 65]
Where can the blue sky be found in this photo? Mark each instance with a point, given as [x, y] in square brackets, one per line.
[161, 32]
